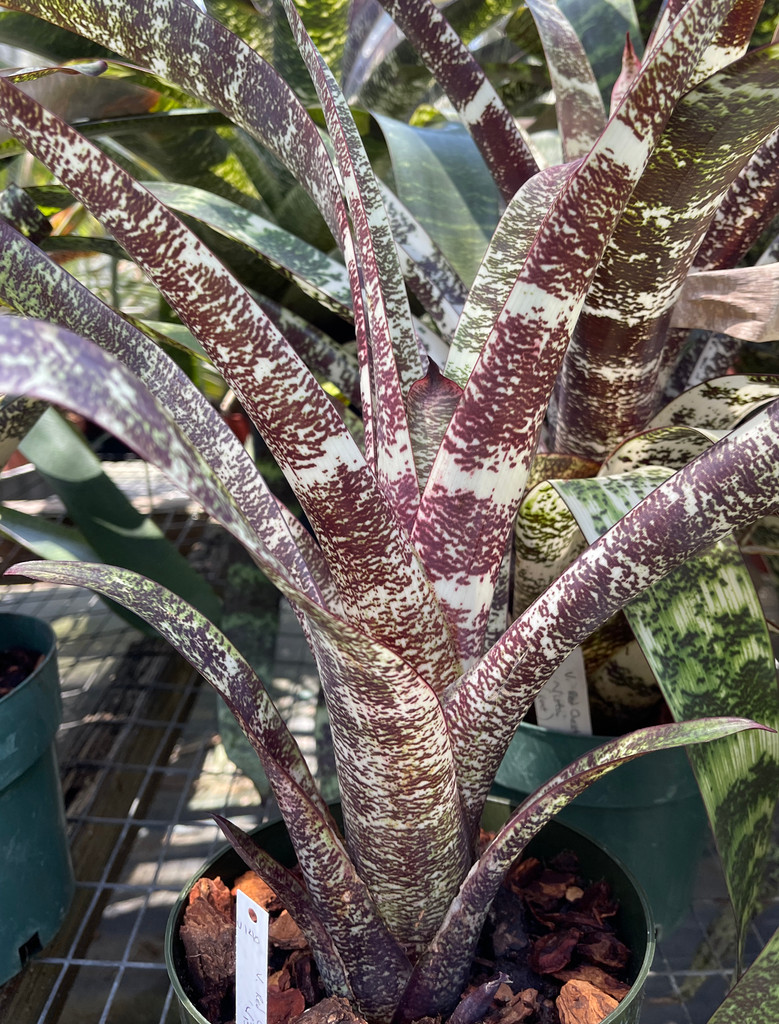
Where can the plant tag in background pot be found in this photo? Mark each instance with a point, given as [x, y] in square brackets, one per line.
[251, 961]
[563, 703]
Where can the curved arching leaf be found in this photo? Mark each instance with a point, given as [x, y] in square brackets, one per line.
[443, 971]
[621, 350]
[702, 630]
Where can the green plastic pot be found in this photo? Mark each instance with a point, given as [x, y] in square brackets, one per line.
[36, 881]
[648, 813]
[634, 920]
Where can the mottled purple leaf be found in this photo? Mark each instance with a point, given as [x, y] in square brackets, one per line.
[493, 129]
[442, 972]
[581, 116]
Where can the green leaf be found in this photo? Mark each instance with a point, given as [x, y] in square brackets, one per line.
[703, 633]
[755, 999]
[114, 529]
[442, 178]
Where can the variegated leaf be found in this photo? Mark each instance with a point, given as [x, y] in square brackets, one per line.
[743, 302]
[37, 287]
[747, 209]
[702, 630]
[404, 823]
[428, 163]
[443, 971]
[17, 417]
[317, 275]
[465, 507]
[395, 359]
[340, 494]
[502, 262]
[620, 351]
[731, 41]
[502, 144]
[719, 404]
[665, 447]
[581, 115]
[546, 541]
[728, 487]
[755, 999]
[179, 43]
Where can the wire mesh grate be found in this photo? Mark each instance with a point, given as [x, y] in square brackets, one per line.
[143, 768]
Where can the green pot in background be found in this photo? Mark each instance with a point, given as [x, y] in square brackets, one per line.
[36, 881]
[648, 813]
[634, 920]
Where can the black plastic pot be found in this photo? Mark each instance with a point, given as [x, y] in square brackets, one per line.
[648, 813]
[634, 922]
[36, 881]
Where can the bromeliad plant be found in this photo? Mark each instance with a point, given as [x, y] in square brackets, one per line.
[401, 588]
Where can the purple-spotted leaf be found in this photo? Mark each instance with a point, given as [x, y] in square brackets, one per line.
[507, 394]
[581, 116]
[342, 498]
[502, 263]
[727, 488]
[38, 287]
[442, 972]
[620, 351]
[375, 963]
[395, 359]
[317, 275]
[502, 144]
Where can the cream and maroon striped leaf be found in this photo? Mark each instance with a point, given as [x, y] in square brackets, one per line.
[394, 359]
[621, 349]
[466, 511]
[389, 596]
[503, 146]
[581, 115]
[443, 971]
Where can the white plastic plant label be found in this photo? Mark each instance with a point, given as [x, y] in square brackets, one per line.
[251, 961]
[563, 703]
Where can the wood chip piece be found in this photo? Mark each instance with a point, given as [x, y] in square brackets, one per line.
[580, 1002]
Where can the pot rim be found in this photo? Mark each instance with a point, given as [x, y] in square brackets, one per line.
[636, 988]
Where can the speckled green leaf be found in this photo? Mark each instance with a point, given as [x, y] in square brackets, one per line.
[621, 347]
[703, 633]
[17, 417]
[443, 180]
[719, 404]
[755, 999]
